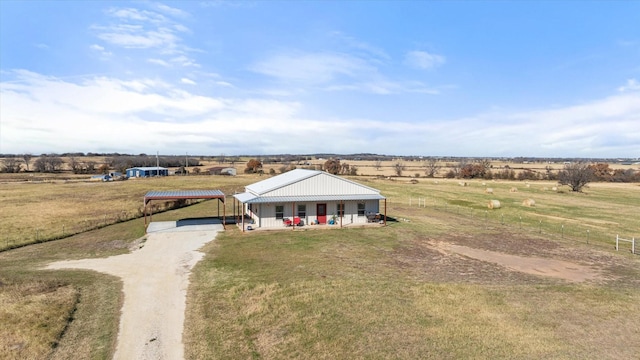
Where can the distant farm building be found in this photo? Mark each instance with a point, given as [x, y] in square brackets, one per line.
[147, 171]
[304, 197]
[223, 171]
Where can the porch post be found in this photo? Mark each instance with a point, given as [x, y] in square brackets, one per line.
[293, 215]
[341, 211]
[385, 212]
[242, 217]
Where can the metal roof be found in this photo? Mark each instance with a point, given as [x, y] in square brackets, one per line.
[184, 194]
[145, 168]
[281, 180]
[249, 198]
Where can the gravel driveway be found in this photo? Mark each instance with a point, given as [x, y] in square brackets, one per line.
[155, 279]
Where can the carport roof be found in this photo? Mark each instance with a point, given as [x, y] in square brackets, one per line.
[184, 194]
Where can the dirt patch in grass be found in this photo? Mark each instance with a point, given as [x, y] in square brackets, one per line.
[510, 259]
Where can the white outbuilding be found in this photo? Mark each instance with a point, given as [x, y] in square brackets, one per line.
[307, 197]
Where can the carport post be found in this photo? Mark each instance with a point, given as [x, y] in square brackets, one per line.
[385, 212]
[293, 215]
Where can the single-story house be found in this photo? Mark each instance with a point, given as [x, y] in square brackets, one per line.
[147, 171]
[313, 197]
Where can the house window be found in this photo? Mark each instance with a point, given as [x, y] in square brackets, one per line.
[340, 210]
[302, 211]
[280, 212]
[360, 209]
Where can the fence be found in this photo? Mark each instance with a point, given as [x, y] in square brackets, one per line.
[71, 227]
[632, 241]
[574, 231]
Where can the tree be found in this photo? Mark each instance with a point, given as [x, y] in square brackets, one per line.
[431, 167]
[399, 167]
[27, 158]
[377, 164]
[48, 163]
[332, 166]
[253, 166]
[575, 175]
[11, 165]
[222, 158]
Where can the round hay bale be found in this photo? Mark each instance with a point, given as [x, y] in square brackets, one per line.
[488, 190]
[554, 189]
[494, 204]
[529, 202]
[513, 189]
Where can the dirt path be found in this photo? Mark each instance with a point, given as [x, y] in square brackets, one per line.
[530, 265]
[155, 280]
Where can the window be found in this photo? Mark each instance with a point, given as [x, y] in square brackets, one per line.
[340, 210]
[279, 211]
[302, 211]
[360, 209]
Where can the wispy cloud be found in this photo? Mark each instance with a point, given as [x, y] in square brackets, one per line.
[166, 115]
[158, 30]
[312, 68]
[423, 59]
[631, 85]
[187, 81]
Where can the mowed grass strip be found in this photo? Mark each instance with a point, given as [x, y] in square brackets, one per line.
[337, 294]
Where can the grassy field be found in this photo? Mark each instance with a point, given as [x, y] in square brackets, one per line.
[42, 210]
[358, 293]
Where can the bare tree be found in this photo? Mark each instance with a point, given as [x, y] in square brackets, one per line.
[575, 175]
[222, 158]
[377, 164]
[27, 158]
[48, 163]
[399, 167]
[431, 167]
[11, 165]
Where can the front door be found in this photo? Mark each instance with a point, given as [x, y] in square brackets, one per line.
[321, 212]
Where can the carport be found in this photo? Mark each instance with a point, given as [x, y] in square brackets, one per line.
[183, 195]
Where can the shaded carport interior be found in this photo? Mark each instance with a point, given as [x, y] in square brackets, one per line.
[184, 195]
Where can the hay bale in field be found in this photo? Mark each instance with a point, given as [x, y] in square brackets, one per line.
[513, 189]
[488, 190]
[494, 204]
[463, 183]
[528, 185]
[554, 188]
[484, 183]
[528, 202]
[435, 182]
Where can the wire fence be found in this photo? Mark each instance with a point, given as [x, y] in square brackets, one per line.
[69, 227]
[570, 230]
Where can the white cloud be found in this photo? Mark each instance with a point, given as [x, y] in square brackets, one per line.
[313, 68]
[159, 62]
[631, 85]
[47, 114]
[423, 59]
[187, 81]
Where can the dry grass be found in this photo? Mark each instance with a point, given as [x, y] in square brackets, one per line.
[358, 293]
[37, 211]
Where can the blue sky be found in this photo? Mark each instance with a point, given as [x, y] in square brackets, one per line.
[432, 78]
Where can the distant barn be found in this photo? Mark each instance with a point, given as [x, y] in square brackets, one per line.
[220, 170]
[147, 171]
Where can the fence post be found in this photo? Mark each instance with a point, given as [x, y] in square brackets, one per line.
[633, 245]
[587, 236]
[540, 228]
[562, 235]
[617, 236]
[520, 216]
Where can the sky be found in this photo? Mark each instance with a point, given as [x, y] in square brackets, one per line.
[426, 78]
